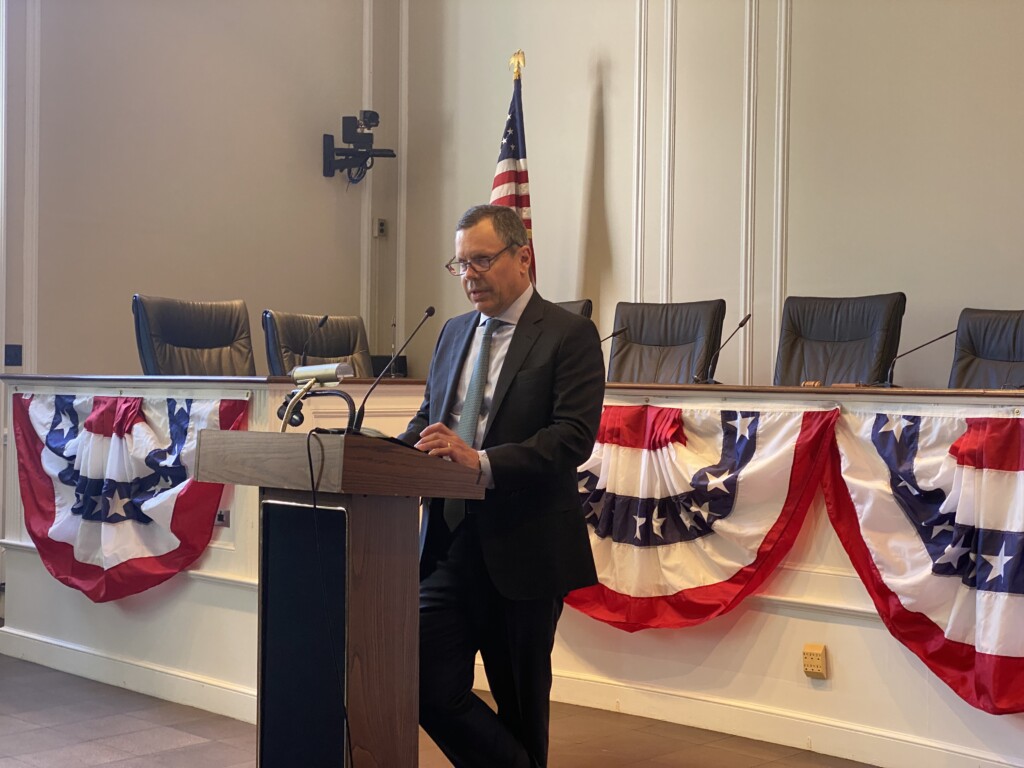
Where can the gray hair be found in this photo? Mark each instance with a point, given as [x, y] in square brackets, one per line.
[506, 222]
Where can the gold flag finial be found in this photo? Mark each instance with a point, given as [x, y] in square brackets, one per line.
[516, 63]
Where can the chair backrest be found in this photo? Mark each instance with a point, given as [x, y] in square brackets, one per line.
[583, 307]
[192, 338]
[666, 343]
[838, 340]
[342, 339]
[989, 350]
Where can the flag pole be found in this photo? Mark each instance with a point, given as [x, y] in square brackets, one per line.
[516, 63]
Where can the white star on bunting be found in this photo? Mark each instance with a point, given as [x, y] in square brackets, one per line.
[998, 563]
[953, 554]
[718, 482]
[742, 424]
[896, 425]
[656, 523]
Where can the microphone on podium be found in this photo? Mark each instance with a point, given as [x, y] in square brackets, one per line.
[305, 347]
[706, 379]
[307, 377]
[357, 424]
[892, 366]
[326, 373]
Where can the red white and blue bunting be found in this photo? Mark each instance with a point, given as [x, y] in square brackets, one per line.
[107, 489]
[691, 509]
[930, 509]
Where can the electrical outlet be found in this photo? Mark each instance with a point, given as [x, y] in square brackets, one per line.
[223, 518]
[815, 661]
[380, 227]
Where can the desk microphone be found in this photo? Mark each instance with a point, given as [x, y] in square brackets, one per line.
[615, 333]
[358, 423]
[892, 366]
[305, 347]
[714, 358]
[326, 373]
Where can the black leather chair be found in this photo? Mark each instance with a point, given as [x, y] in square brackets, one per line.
[839, 340]
[989, 350]
[666, 343]
[583, 307]
[342, 339]
[192, 338]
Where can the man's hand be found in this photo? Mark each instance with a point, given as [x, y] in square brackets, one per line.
[438, 440]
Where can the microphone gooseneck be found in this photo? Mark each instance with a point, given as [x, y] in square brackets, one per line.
[706, 378]
[616, 332]
[892, 365]
[394, 338]
[305, 347]
[357, 425]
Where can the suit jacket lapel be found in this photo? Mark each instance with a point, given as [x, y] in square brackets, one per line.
[527, 331]
[463, 337]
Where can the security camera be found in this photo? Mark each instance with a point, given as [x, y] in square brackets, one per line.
[358, 157]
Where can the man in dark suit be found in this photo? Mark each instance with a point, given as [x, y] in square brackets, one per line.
[518, 397]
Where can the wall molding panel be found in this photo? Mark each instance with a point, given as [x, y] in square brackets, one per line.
[369, 292]
[780, 208]
[640, 148]
[30, 251]
[748, 205]
[402, 213]
[668, 153]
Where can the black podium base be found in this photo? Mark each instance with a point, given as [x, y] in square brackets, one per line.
[302, 636]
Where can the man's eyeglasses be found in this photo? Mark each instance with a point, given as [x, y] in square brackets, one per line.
[458, 267]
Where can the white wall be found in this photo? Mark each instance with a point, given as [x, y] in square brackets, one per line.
[907, 169]
[736, 148]
[179, 154]
[578, 105]
[679, 150]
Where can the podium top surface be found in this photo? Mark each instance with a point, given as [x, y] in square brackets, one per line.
[351, 464]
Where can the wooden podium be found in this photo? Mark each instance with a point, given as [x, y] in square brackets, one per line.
[339, 589]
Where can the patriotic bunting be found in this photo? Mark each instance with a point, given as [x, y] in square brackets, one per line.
[691, 509]
[930, 510]
[105, 482]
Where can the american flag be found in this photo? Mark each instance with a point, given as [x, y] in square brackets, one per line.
[690, 510]
[930, 509]
[511, 185]
[107, 486]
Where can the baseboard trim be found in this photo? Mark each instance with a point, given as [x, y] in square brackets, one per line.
[852, 741]
[218, 696]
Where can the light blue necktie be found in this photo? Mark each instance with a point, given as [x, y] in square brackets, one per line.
[455, 509]
[470, 417]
